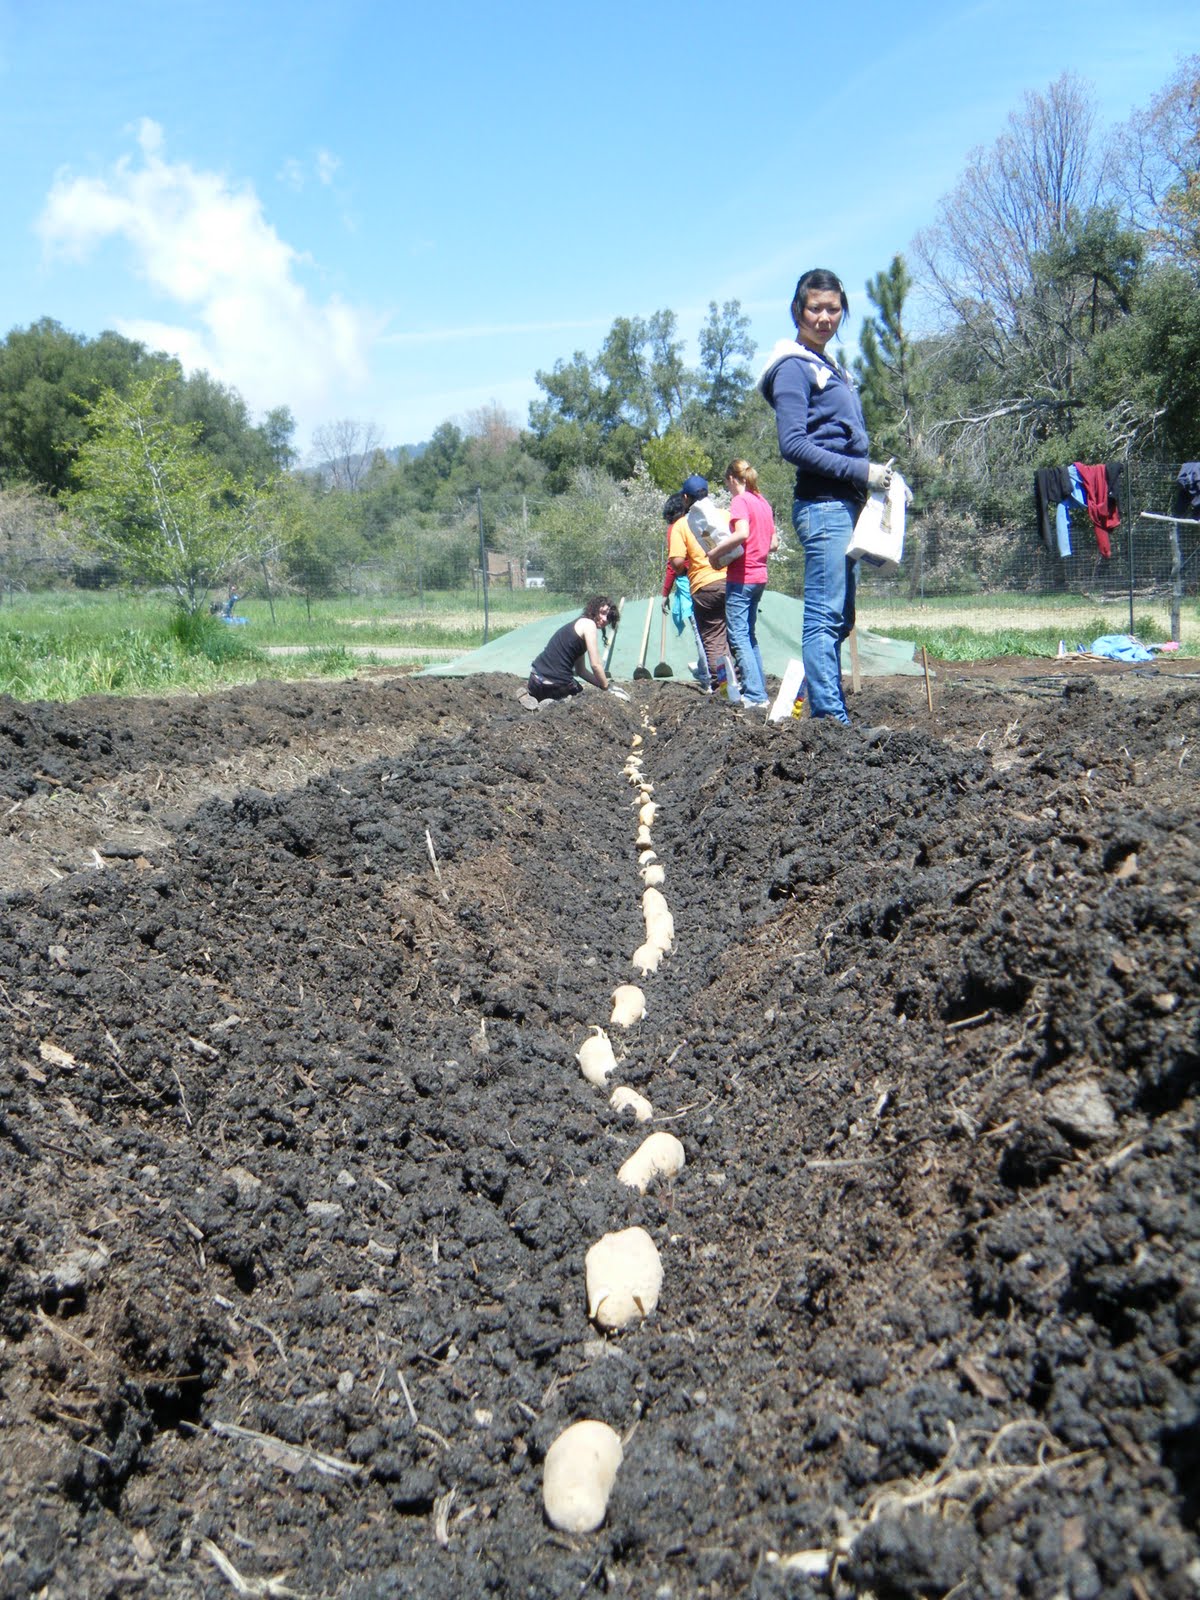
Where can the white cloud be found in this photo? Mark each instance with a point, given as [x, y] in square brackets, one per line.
[324, 168]
[291, 174]
[491, 330]
[203, 243]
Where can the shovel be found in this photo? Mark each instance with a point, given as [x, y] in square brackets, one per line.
[612, 643]
[642, 670]
[662, 670]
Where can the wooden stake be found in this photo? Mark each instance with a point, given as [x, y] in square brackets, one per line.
[855, 675]
[928, 690]
[437, 871]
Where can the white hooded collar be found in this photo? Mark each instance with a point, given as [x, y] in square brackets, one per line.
[821, 367]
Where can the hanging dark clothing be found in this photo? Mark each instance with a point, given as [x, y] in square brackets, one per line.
[1101, 506]
[1187, 490]
[1051, 486]
[1116, 471]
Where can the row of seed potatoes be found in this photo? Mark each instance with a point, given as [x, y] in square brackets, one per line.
[622, 1271]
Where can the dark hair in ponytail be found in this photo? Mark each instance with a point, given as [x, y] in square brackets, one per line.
[817, 278]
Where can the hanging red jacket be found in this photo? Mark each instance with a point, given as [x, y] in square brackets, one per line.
[1101, 506]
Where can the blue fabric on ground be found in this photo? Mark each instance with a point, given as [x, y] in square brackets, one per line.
[1120, 647]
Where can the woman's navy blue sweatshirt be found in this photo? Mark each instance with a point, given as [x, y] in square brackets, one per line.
[819, 419]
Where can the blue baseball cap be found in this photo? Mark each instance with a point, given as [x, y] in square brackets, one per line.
[695, 487]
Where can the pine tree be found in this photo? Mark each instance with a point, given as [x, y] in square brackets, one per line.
[886, 369]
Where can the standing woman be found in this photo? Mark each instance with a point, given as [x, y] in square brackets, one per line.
[822, 433]
[686, 556]
[752, 525]
[555, 673]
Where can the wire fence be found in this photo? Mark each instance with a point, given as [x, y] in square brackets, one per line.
[974, 557]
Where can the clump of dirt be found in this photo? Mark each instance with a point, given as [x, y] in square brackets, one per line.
[299, 1169]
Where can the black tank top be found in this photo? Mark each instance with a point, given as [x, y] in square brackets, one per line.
[558, 660]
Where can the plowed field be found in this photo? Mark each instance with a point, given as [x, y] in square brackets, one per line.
[299, 1170]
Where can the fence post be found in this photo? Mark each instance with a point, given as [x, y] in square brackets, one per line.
[1176, 581]
[267, 581]
[483, 564]
[1129, 524]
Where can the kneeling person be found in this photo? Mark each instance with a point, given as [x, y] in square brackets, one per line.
[556, 672]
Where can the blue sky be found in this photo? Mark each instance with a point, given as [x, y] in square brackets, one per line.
[399, 214]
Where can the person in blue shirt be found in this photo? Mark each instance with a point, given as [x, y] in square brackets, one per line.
[821, 430]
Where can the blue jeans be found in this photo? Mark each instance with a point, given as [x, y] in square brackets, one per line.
[741, 614]
[824, 528]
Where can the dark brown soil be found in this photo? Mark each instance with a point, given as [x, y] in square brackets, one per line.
[299, 1170]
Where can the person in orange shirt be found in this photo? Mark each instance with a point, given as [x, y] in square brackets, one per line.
[686, 554]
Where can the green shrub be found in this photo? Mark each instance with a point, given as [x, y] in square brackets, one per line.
[198, 633]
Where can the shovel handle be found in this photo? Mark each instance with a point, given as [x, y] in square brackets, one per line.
[612, 643]
[646, 632]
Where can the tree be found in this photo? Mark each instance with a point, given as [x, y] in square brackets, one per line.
[345, 451]
[671, 384]
[1158, 168]
[1009, 205]
[438, 464]
[315, 538]
[48, 379]
[724, 340]
[1145, 377]
[1030, 391]
[601, 533]
[674, 457]
[598, 412]
[154, 503]
[493, 428]
[27, 519]
[223, 427]
[279, 432]
[1031, 267]
[495, 458]
[887, 367]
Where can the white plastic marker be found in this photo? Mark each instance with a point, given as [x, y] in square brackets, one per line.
[789, 691]
[732, 690]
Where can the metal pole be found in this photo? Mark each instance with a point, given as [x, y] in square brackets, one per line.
[1129, 536]
[1176, 582]
[267, 581]
[483, 567]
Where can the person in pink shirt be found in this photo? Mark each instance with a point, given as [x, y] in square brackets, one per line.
[751, 523]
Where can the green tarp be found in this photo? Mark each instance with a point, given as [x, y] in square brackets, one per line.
[779, 624]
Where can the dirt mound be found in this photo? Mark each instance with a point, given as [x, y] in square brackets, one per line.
[299, 1170]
